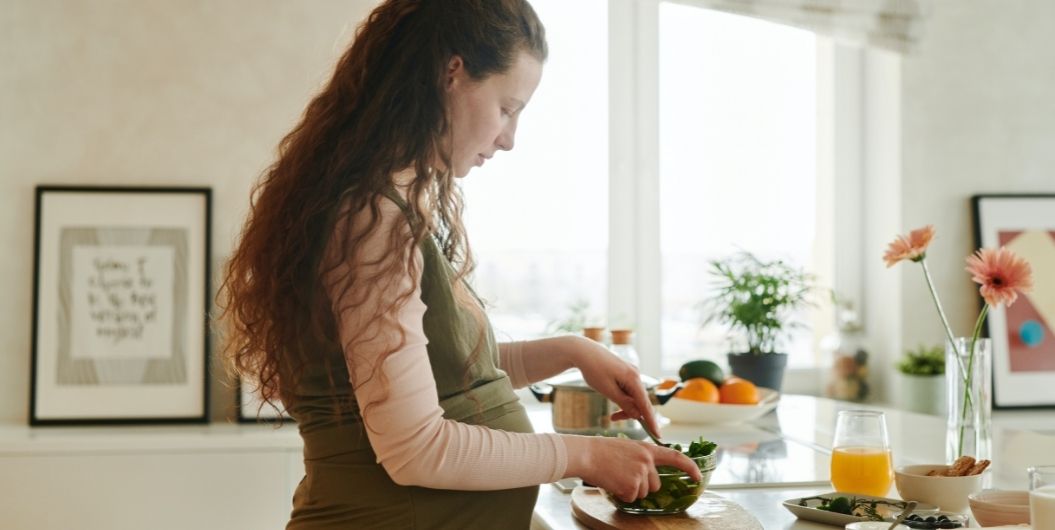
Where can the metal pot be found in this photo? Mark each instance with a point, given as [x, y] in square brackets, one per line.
[579, 409]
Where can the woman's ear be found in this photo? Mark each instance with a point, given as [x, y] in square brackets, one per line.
[455, 70]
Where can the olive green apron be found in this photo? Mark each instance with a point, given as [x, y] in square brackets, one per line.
[344, 487]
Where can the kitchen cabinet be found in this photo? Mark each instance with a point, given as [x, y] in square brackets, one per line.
[179, 477]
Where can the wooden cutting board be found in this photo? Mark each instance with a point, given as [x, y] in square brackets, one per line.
[592, 508]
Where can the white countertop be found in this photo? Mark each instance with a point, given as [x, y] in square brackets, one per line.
[798, 435]
[22, 440]
[780, 456]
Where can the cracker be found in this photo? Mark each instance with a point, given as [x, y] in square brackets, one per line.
[961, 467]
[979, 467]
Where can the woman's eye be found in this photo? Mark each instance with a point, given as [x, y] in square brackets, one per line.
[507, 112]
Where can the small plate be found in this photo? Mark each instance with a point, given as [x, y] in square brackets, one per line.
[689, 411]
[888, 511]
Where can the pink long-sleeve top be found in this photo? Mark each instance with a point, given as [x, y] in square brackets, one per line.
[412, 440]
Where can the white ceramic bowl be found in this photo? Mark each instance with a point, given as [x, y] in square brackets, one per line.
[874, 525]
[1000, 507]
[949, 494]
[689, 411]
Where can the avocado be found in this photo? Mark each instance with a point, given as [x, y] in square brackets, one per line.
[702, 368]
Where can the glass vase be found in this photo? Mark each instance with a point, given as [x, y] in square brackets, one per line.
[969, 384]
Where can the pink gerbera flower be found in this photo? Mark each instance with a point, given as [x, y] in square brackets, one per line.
[1001, 274]
[913, 247]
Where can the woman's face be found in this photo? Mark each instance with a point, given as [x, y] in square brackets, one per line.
[484, 113]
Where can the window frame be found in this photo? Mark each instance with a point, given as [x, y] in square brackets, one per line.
[634, 254]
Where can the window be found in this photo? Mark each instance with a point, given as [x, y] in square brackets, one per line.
[737, 153]
[662, 136]
[537, 217]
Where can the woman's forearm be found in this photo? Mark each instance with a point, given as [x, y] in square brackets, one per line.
[542, 358]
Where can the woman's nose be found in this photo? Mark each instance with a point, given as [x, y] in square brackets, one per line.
[506, 140]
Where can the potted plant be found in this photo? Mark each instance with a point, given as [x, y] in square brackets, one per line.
[921, 380]
[757, 299]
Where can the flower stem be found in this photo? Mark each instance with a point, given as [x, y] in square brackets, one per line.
[967, 381]
[944, 320]
[937, 302]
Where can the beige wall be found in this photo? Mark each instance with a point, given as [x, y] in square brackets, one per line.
[978, 116]
[146, 92]
[197, 92]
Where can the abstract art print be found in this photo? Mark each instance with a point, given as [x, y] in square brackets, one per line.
[121, 292]
[1023, 334]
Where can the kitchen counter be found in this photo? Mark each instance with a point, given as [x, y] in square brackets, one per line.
[785, 455]
[109, 475]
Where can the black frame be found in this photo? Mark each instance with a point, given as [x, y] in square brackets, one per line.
[976, 205]
[41, 190]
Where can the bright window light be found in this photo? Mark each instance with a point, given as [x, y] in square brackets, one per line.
[737, 162]
[537, 216]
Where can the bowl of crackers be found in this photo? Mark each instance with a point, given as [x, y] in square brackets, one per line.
[945, 486]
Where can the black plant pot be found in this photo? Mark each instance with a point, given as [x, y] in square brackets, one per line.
[763, 370]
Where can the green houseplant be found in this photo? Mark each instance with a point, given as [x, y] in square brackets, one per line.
[757, 299]
[923, 361]
[921, 380]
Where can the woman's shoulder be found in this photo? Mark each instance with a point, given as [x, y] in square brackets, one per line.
[386, 206]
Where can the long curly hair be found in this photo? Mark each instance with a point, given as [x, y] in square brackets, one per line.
[383, 111]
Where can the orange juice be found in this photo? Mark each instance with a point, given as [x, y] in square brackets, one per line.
[864, 470]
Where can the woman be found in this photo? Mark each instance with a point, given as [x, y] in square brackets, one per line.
[346, 297]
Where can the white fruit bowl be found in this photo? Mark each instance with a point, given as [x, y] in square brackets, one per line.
[696, 412]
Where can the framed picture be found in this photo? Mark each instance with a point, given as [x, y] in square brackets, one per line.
[1023, 338]
[251, 411]
[120, 306]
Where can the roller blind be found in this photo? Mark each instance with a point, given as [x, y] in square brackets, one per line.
[890, 24]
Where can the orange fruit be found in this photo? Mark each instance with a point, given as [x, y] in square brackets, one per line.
[666, 383]
[738, 391]
[698, 389]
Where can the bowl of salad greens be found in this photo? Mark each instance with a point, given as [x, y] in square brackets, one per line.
[677, 490]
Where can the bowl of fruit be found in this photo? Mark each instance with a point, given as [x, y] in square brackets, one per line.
[677, 490]
[705, 395]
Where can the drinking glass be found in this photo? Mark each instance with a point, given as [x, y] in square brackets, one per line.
[861, 461]
[1042, 496]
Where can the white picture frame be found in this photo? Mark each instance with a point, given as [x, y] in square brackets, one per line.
[252, 409]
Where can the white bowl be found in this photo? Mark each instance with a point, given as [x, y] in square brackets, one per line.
[874, 525]
[948, 493]
[689, 411]
[1000, 507]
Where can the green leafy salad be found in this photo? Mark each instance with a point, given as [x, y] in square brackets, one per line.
[852, 506]
[676, 490]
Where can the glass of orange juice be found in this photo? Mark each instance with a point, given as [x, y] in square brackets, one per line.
[861, 461]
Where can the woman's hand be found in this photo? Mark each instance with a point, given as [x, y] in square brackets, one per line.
[618, 380]
[625, 468]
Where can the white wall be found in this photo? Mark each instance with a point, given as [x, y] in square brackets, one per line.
[194, 92]
[146, 92]
[978, 116]
[881, 206]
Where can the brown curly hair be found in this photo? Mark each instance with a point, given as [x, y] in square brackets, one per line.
[384, 110]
